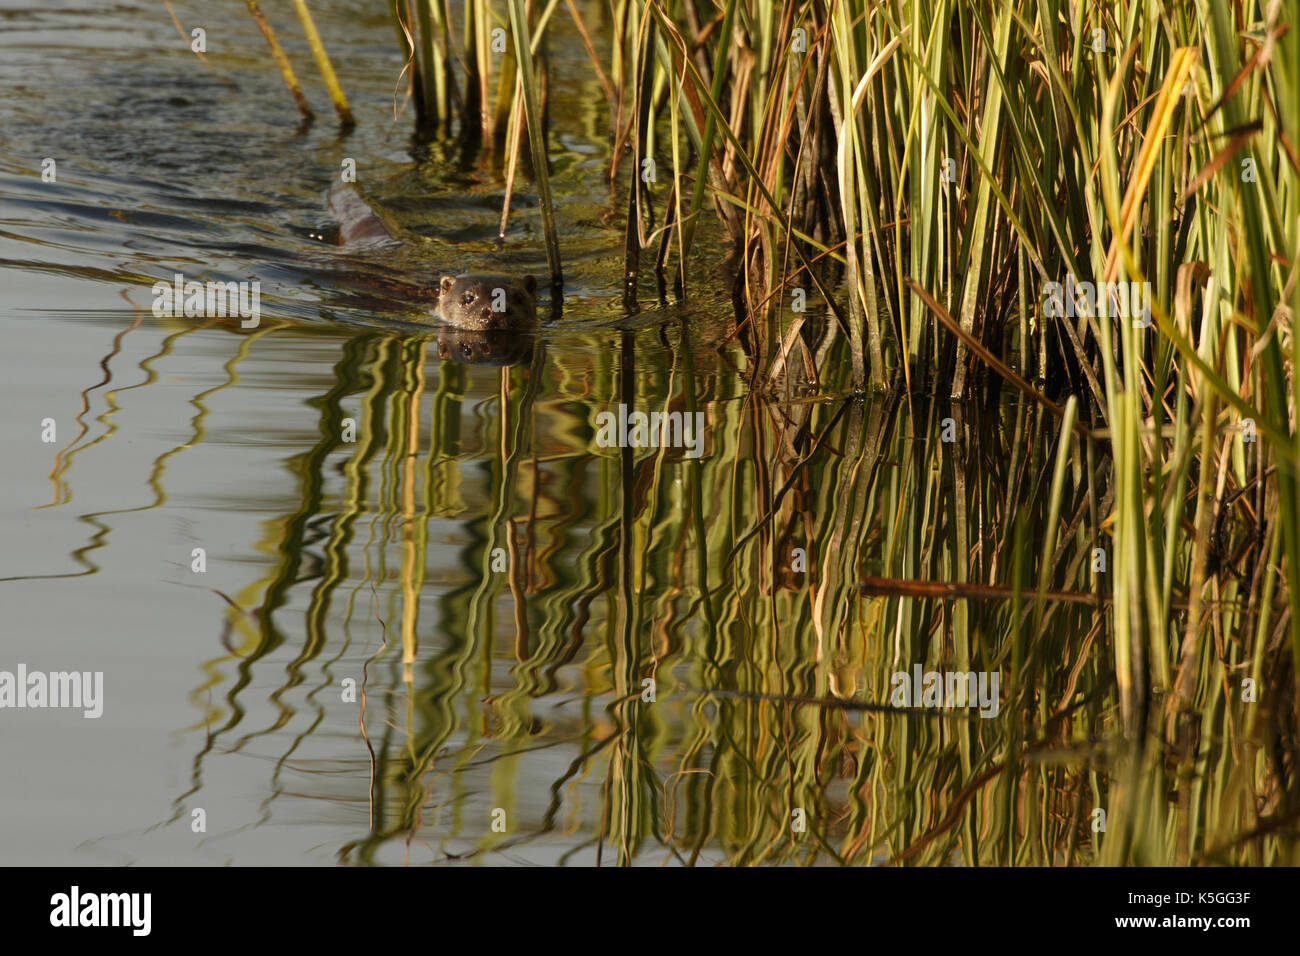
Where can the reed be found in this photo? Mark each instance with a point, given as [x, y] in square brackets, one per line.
[281, 61]
[318, 52]
[929, 168]
[1106, 515]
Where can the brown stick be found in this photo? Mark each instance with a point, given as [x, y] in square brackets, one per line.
[956, 591]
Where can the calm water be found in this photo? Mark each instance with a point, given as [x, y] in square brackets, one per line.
[449, 539]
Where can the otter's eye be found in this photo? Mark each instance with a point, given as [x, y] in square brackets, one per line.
[468, 298]
[466, 351]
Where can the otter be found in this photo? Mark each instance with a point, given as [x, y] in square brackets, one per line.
[475, 302]
[483, 302]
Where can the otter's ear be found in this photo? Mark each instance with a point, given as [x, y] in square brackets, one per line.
[446, 284]
[530, 284]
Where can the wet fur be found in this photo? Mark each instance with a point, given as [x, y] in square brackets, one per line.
[485, 302]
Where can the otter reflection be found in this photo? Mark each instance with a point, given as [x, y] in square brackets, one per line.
[485, 347]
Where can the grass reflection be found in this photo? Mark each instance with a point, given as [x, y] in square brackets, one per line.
[505, 591]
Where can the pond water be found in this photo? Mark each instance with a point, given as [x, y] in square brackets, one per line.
[437, 618]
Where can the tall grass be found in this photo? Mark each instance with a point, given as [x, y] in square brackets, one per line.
[924, 169]
[947, 160]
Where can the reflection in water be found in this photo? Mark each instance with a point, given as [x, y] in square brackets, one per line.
[629, 655]
[491, 347]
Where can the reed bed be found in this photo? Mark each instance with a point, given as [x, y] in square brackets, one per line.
[1104, 511]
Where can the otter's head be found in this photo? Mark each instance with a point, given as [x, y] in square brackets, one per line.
[488, 302]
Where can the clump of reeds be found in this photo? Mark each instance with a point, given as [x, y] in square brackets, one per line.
[1122, 544]
[930, 168]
